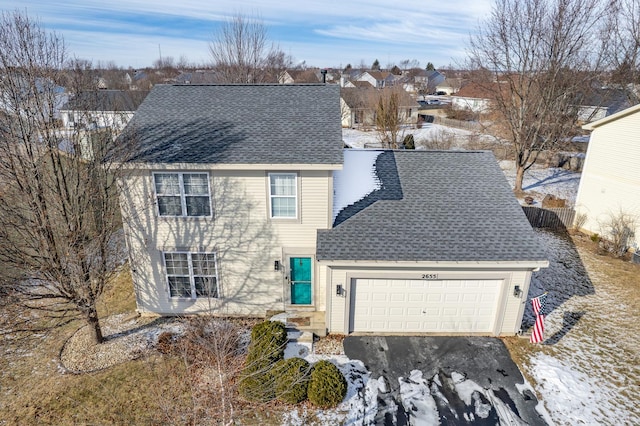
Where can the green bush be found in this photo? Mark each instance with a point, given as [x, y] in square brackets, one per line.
[595, 238]
[268, 340]
[327, 386]
[257, 386]
[409, 142]
[292, 379]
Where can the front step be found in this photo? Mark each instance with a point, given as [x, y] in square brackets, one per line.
[312, 322]
[301, 342]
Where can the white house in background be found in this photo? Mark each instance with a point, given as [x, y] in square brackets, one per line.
[474, 97]
[98, 109]
[378, 79]
[610, 181]
[241, 200]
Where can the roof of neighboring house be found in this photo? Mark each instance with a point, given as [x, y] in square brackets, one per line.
[433, 206]
[629, 111]
[239, 124]
[357, 97]
[362, 84]
[197, 77]
[106, 100]
[304, 76]
[479, 91]
[614, 100]
[378, 75]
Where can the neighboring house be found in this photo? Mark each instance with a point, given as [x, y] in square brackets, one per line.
[299, 76]
[602, 103]
[474, 97]
[24, 88]
[358, 106]
[101, 109]
[450, 86]
[378, 79]
[241, 200]
[610, 181]
[426, 81]
[197, 77]
[358, 84]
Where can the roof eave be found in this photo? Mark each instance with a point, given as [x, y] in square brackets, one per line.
[231, 166]
[506, 264]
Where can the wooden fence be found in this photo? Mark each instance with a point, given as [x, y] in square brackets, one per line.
[554, 218]
[459, 124]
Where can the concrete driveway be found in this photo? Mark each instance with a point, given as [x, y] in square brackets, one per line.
[471, 380]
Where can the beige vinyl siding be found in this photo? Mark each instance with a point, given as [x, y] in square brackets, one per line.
[610, 180]
[515, 306]
[245, 239]
[509, 311]
[313, 214]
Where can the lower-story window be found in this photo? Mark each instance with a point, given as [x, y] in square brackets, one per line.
[191, 275]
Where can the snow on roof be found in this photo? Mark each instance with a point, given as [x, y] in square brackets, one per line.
[356, 180]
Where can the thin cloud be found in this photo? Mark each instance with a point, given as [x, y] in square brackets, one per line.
[323, 33]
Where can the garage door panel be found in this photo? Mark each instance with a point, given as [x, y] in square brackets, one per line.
[383, 305]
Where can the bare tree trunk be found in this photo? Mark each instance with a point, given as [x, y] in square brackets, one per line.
[519, 177]
[94, 326]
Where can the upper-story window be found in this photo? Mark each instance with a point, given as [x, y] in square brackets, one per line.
[283, 195]
[182, 194]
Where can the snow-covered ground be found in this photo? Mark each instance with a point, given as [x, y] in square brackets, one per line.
[539, 181]
[369, 139]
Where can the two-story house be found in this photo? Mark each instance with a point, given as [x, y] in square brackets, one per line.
[241, 199]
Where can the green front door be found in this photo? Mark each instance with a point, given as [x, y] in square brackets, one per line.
[300, 270]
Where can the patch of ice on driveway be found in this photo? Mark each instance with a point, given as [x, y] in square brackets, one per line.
[417, 400]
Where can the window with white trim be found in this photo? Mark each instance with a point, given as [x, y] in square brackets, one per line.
[283, 198]
[191, 275]
[182, 194]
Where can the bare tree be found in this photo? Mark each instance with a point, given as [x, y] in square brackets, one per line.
[59, 209]
[391, 115]
[544, 56]
[623, 33]
[242, 53]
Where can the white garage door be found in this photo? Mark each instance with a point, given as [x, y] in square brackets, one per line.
[444, 306]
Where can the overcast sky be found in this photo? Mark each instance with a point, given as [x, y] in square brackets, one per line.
[321, 33]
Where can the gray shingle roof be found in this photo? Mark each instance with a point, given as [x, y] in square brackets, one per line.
[434, 206]
[106, 100]
[239, 124]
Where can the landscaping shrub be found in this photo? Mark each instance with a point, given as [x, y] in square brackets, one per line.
[409, 142]
[327, 386]
[257, 386]
[268, 340]
[292, 379]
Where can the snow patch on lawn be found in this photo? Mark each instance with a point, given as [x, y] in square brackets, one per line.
[539, 181]
[568, 393]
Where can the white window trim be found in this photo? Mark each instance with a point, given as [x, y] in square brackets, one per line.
[183, 196]
[271, 196]
[192, 281]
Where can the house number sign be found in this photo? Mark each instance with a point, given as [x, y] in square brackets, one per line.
[429, 276]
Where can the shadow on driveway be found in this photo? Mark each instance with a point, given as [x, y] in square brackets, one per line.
[472, 380]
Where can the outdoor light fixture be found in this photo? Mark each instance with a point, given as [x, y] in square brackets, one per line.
[339, 290]
[516, 291]
[276, 265]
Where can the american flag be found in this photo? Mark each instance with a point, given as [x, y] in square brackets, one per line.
[538, 309]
